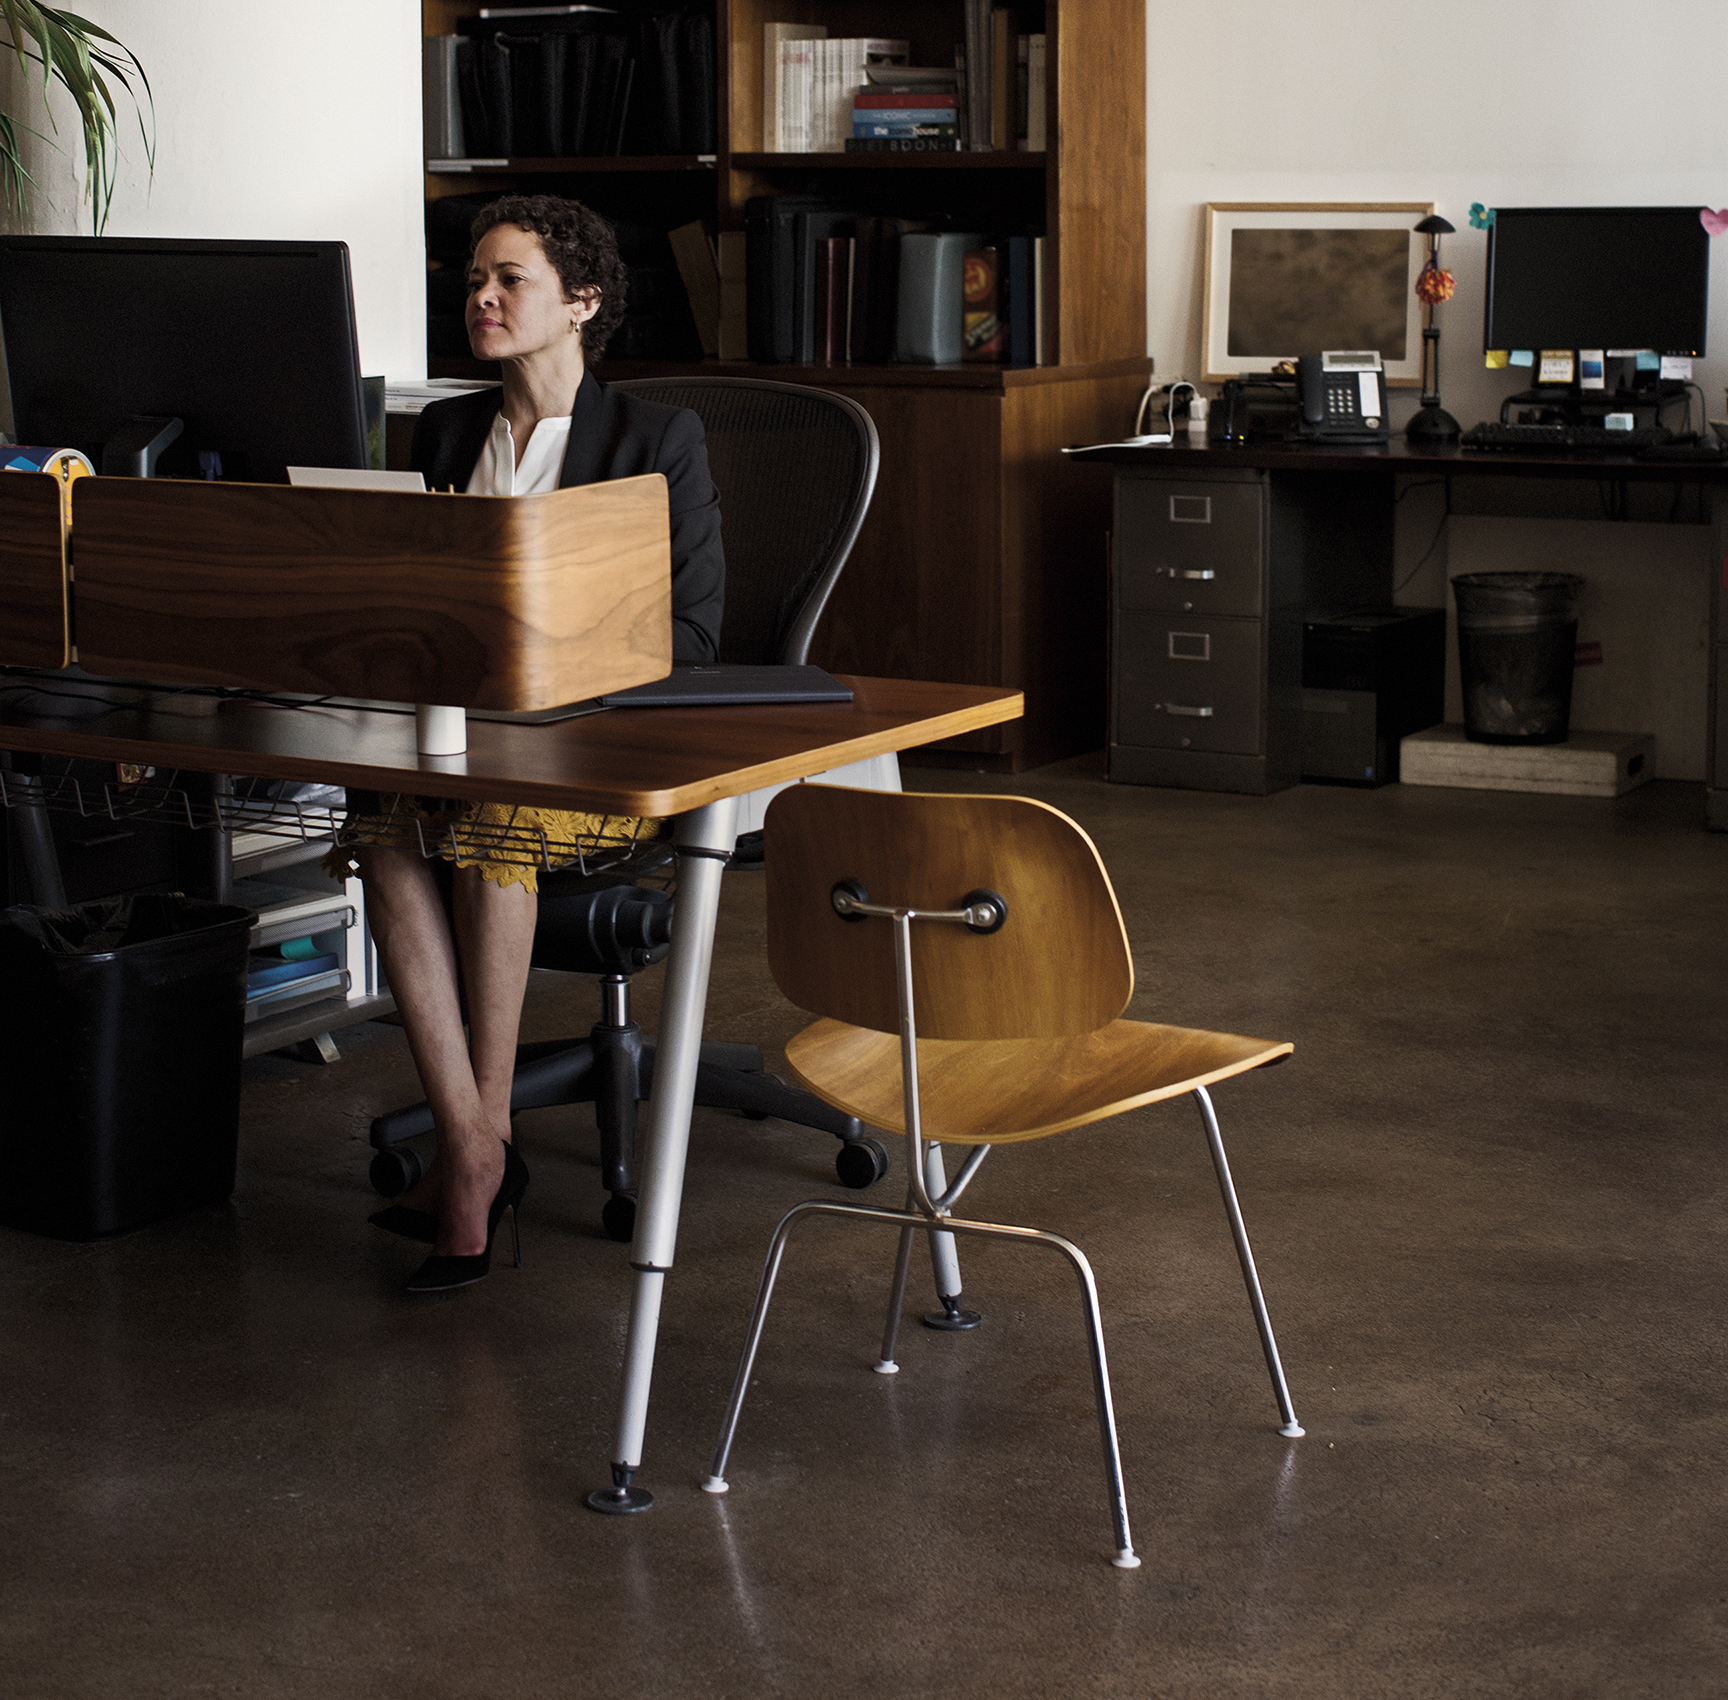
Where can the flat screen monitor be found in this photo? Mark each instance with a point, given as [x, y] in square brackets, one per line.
[1597, 277]
[251, 344]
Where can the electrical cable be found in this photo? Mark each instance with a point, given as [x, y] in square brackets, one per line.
[1434, 542]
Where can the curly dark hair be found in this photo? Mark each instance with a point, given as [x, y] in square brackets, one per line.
[581, 247]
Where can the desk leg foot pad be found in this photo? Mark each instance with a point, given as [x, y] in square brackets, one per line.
[716, 1484]
[621, 1499]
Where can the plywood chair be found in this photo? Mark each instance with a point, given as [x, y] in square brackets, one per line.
[1003, 1025]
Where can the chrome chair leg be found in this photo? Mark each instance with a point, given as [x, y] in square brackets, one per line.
[716, 1482]
[1245, 1257]
[1124, 1557]
[886, 1365]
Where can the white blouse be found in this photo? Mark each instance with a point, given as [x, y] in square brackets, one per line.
[496, 472]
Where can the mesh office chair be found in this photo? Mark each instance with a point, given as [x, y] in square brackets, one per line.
[795, 468]
[1003, 1026]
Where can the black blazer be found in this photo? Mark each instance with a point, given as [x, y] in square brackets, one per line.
[612, 435]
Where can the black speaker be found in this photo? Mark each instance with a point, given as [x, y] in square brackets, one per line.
[1370, 676]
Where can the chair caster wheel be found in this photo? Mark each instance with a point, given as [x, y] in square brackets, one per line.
[396, 1170]
[761, 1115]
[860, 1163]
[618, 1218]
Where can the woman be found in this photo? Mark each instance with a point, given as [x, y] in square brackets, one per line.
[545, 291]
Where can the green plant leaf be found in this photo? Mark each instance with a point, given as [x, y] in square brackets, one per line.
[61, 43]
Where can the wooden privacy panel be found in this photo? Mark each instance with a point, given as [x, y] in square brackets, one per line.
[33, 617]
[478, 601]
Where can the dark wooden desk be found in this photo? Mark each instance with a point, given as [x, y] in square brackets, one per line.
[693, 763]
[1330, 526]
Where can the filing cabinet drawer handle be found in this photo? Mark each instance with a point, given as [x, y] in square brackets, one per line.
[1184, 708]
[1187, 572]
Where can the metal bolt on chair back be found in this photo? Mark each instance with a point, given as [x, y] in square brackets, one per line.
[968, 960]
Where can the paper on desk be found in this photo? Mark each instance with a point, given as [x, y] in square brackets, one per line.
[413, 396]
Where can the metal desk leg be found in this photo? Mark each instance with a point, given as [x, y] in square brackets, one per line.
[705, 840]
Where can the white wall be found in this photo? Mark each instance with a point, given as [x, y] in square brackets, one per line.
[282, 122]
[1507, 102]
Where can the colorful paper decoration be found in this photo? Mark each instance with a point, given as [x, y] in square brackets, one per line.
[1434, 284]
[1480, 216]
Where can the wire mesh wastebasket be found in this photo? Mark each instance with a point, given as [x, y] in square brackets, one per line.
[1517, 646]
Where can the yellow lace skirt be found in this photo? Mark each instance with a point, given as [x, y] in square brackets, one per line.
[507, 843]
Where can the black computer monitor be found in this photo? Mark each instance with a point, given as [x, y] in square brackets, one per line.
[1597, 277]
[251, 344]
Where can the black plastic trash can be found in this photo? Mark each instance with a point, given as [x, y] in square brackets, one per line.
[121, 1024]
[1517, 647]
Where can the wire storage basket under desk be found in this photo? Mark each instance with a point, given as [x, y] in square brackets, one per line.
[318, 814]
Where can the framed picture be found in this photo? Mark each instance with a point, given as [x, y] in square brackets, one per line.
[1286, 278]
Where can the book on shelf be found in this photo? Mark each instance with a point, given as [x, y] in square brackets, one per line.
[734, 296]
[929, 322]
[443, 97]
[833, 263]
[825, 284]
[933, 78]
[1001, 79]
[906, 124]
[869, 99]
[774, 107]
[580, 82]
[797, 60]
[977, 48]
[812, 86]
[983, 333]
[1036, 96]
[701, 274]
[904, 143]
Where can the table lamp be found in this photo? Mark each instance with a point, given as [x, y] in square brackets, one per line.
[1432, 426]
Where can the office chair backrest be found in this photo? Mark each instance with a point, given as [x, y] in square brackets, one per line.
[1059, 965]
[795, 468]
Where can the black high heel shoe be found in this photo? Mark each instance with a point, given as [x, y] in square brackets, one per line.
[405, 1220]
[440, 1274]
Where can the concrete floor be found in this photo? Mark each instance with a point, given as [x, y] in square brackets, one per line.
[1486, 1196]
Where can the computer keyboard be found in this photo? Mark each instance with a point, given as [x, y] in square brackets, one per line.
[1565, 439]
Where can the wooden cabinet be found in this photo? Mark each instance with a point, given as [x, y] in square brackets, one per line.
[985, 558]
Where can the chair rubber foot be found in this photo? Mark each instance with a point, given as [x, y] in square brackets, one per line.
[620, 1502]
[1126, 1559]
[1292, 1431]
[716, 1484]
[955, 1321]
[886, 1367]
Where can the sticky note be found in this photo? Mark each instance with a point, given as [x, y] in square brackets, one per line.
[1494, 359]
[1677, 366]
[1648, 360]
[1520, 357]
[1556, 366]
[1590, 369]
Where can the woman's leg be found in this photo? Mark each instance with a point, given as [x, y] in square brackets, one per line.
[467, 1084]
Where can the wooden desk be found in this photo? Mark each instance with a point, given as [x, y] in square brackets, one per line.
[693, 763]
[1326, 530]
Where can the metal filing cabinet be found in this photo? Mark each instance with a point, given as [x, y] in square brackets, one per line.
[1206, 642]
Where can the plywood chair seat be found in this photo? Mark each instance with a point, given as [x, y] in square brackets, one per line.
[998, 1091]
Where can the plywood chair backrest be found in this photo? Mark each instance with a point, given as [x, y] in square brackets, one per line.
[1060, 965]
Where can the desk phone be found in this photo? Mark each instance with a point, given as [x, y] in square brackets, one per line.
[1343, 396]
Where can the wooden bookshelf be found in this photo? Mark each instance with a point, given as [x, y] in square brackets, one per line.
[984, 558]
